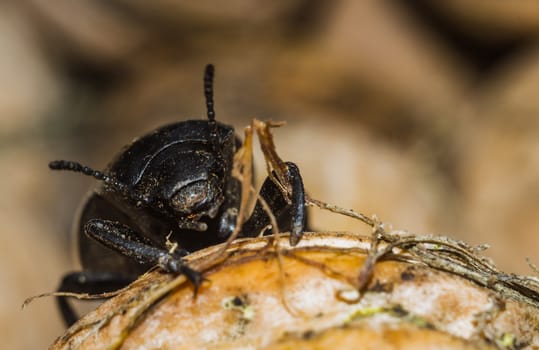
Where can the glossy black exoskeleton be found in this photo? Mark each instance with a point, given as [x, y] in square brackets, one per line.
[173, 182]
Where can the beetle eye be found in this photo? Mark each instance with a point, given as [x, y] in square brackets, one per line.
[190, 197]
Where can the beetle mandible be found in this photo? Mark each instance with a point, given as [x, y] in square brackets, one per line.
[176, 180]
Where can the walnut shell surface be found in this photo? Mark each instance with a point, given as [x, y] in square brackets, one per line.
[304, 298]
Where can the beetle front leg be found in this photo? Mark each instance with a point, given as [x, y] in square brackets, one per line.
[298, 211]
[128, 242]
[290, 213]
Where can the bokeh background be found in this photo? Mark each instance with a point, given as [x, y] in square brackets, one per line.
[423, 112]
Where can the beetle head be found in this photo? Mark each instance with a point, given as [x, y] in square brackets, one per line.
[190, 185]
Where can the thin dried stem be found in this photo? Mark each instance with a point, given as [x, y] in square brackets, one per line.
[338, 210]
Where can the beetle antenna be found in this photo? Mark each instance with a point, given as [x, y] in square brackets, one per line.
[79, 168]
[99, 175]
[208, 93]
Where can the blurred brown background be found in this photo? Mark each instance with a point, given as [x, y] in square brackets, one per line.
[422, 112]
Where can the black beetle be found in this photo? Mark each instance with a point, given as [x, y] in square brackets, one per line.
[175, 181]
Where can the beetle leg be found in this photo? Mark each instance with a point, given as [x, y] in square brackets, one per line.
[87, 282]
[290, 214]
[128, 242]
[298, 211]
[229, 209]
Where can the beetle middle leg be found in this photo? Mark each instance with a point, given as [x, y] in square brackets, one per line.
[88, 282]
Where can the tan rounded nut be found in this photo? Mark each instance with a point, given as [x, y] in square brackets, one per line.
[304, 298]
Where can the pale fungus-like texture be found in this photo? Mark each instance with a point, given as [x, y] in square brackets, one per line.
[262, 295]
